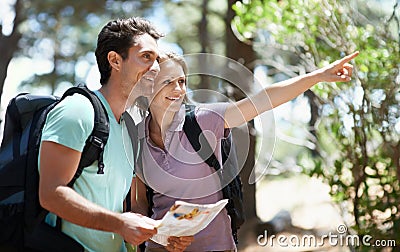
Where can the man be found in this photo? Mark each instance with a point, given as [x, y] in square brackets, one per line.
[91, 211]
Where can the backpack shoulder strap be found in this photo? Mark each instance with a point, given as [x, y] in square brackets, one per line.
[198, 141]
[193, 132]
[133, 135]
[137, 145]
[97, 140]
[94, 145]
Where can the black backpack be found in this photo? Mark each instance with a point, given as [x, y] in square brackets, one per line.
[229, 174]
[22, 225]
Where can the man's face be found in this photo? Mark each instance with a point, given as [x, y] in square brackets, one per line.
[141, 65]
[145, 86]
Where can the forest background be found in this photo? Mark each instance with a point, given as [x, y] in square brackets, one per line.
[344, 136]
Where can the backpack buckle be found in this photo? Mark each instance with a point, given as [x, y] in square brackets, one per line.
[96, 142]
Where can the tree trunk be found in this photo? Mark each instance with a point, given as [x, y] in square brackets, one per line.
[205, 80]
[244, 53]
[314, 109]
[8, 45]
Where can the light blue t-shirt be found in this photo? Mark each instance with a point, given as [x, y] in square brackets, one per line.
[70, 123]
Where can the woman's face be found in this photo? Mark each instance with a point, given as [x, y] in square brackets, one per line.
[169, 87]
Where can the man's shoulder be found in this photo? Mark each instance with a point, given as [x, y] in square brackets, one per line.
[74, 109]
[76, 104]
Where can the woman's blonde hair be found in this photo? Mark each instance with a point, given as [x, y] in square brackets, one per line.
[175, 57]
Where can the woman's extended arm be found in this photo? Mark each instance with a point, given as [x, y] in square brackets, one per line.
[246, 109]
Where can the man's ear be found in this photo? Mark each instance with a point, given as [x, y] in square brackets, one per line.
[114, 59]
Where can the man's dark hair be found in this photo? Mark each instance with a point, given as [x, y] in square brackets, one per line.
[118, 36]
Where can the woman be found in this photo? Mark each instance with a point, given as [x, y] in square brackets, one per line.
[174, 170]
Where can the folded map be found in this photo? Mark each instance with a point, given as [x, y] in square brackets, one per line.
[186, 219]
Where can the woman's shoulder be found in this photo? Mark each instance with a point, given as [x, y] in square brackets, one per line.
[207, 111]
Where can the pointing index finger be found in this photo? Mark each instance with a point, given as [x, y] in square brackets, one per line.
[349, 57]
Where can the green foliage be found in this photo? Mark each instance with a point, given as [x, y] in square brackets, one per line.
[185, 18]
[63, 34]
[198, 27]
[359, 122]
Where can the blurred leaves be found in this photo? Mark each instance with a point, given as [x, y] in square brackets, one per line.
[359, 122]
[62, 34]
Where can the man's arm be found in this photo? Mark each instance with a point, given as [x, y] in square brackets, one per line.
[58, 165]
[246, 109]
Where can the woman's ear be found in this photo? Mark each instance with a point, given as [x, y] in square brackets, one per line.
[114, 59]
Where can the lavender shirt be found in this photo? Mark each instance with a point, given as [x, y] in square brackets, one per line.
[180, 173]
